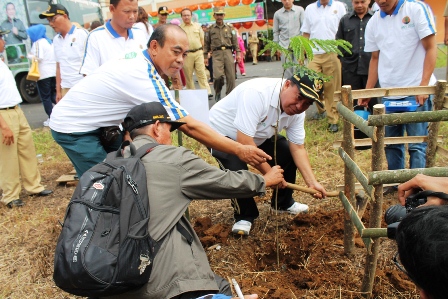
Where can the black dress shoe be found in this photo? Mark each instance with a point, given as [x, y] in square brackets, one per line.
[210, 96]
[44, 193]
[333, 128]
[15, 203]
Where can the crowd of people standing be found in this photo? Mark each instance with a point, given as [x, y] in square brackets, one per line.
[88, 112]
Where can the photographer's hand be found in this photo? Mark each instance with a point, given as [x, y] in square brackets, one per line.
[424, 182]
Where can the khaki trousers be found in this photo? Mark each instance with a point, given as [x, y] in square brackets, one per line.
[329, 65]
[64, 91]
[18, 160]
[223, 67]
[195, 62]
[254, 52]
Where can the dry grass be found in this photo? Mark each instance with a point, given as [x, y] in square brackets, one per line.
[28, 235]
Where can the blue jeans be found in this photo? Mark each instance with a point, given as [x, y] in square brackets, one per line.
[84, 149]
[395, 154]
[47, 92]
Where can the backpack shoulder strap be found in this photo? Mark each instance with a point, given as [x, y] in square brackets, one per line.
[144, 149]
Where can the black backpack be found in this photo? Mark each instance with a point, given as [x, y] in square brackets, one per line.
[105, 247]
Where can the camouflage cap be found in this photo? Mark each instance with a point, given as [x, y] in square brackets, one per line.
[219, 10]
[308, 87]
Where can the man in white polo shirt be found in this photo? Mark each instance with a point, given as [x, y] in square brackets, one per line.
[401, 37]
[68, 46]
[321, 21]
[114, 38]
[105, 97]
[248, 115]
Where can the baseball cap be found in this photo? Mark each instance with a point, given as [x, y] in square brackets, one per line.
[163, 10]
[219, 10]
[146, 114]
[54, 9]
[309, 88]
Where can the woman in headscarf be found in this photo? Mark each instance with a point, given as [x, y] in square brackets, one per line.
[42, 50]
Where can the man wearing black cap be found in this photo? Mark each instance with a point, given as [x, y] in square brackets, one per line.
[221, 41]
[249, 115]
[175, 177]
[68, 46]
[18, 161]
[163, 16]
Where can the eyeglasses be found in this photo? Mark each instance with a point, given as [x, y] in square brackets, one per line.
[52, 19]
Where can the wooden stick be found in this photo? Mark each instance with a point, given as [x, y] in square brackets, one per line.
[310, 190]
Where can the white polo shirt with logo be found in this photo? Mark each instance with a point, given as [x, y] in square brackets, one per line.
[69, 52]
[322, 22]
[105, 96]
[253, 109]
[398, 38]
[104, 44]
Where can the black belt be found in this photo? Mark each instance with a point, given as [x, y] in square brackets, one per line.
[8, 108]
[195, 50]
[222, 48]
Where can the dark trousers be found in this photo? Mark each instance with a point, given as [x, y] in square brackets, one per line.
[223, 285]
[210, 68]
[357, 82]
[246, 208]
[47, 92]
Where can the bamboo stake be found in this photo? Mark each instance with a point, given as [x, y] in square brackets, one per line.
[395, 91]
[403, 175]
[355, 220]
[376, 213]
[433, 128]
[360, 123]
[351, 165]
[390, 140]
[407, 118]
[349, 179]
[374, 233]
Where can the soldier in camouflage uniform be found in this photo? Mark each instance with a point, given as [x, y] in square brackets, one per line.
[221, 41]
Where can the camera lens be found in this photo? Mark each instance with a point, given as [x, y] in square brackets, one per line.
[395, 214]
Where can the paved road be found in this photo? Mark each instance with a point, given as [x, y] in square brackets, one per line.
[36, 116]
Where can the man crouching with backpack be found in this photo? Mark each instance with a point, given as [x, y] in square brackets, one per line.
[175, 176]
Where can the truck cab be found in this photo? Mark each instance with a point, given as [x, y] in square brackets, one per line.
[26, 12]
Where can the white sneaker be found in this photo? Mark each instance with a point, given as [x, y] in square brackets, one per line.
[295, 209]
[47, 123]
[242, 227]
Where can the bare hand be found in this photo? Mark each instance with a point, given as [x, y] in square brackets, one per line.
[363, 102]
[421, 99]
[206, 62]
[252, 155]
[15, 30]
[58, 96]
[8, 136]
[423, 182]
[238, 58]
[274, 176]
[322, 192]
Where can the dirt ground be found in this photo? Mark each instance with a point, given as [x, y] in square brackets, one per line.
[310, 264]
